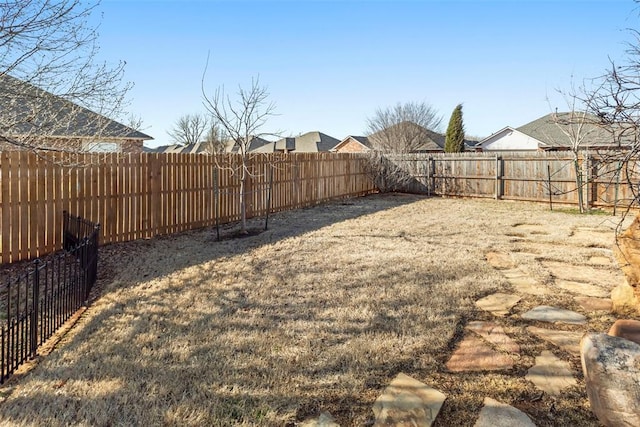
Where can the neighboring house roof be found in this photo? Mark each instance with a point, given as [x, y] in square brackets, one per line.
[361, 140]
[310, 142]
[286, 144]
[258, 145]
[555, 131]
[200, 147]
[40, 113]
[551, 130]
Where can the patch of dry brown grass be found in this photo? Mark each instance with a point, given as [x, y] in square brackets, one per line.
[317, 314]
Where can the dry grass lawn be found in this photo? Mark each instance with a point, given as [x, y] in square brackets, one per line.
[317, 314]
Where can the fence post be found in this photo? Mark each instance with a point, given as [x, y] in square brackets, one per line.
[35, 297]
[617, 187]
[84, 264]
[587, 180]
[432, 176]
[499, 174]
[266, 219]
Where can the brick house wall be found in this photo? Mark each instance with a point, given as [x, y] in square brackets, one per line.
[77, 144]
[351, 146]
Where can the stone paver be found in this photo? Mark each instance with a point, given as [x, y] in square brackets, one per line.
[475, 354]
[600, 260]
[498, 304]
[494, 334]
[498, 414]
[594, 304]
[551, 374]
[487, 347]
[584, 273]
[407, 402]
[499, 260]
[600, 237]
[585, 289]
[565, 340]
[524, 283]
[546, 313]
[324, 420]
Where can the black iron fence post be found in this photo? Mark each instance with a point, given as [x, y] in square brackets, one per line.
[33, 327]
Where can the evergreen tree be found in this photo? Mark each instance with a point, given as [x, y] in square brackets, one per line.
[454, 139]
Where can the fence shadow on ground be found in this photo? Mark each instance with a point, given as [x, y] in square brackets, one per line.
[165, 347]
[172, 366]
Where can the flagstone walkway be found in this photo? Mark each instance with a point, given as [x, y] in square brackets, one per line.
[486, 346]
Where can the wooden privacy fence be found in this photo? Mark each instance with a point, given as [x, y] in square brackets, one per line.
[147, 194]
[537, 177]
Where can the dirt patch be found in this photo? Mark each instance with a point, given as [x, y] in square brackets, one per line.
[318, 313]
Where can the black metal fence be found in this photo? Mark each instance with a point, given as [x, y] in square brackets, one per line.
[34, 305]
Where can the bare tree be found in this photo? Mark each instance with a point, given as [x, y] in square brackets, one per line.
[394, 132]
[190, 129]
[135, 122]
[215, 138]
[52, 83]
[242, 120]
[403, 128]
[614, 98]
[577, 129]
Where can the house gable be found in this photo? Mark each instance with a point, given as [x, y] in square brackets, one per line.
[352, 144]
[510, 139]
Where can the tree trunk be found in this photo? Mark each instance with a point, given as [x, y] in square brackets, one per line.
[243, 199]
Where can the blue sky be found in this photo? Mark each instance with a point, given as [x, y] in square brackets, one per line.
[329, 64]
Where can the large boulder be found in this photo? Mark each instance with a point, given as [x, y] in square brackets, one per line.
[628, 329]
[611, 367]
[628, 255]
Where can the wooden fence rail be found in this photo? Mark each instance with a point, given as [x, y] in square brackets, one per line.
[537, 177]
[143, 195]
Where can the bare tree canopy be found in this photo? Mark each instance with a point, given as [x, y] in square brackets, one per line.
[615, 97]
[215, 138]
[135, 122]
[190, 129]
[51, 74]
[404, 127]
[241, 119]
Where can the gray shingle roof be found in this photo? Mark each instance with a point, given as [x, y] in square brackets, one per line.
[551, 130]
[258, 145]
[310, 142]
[26, 109]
